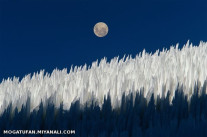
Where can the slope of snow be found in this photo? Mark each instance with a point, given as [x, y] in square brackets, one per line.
[155, 73]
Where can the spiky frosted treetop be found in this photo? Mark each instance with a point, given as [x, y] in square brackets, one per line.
[156, 73]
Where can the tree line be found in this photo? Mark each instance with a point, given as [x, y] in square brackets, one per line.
[134, 118]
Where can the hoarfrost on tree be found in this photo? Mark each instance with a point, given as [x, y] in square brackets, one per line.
[156, 73]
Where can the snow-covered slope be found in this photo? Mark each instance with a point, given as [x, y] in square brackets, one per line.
[156, 73]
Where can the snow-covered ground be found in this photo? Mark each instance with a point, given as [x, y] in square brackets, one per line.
[156, 73]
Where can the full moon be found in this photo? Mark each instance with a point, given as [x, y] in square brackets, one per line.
[100, 29]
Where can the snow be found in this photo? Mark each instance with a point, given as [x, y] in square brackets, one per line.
[156, 73]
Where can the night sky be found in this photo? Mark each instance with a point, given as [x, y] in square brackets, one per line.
[49, 34]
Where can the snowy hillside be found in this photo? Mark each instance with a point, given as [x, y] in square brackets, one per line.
[156, 73]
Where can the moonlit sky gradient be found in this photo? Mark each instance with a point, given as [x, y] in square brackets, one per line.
[48, 34]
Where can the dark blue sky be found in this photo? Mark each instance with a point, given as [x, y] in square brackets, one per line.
[48, 34]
